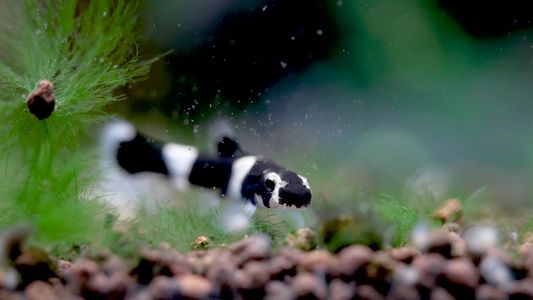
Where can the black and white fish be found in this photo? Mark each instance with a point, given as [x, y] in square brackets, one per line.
[250, 179]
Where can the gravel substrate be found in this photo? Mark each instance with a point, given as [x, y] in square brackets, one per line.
[446, 268]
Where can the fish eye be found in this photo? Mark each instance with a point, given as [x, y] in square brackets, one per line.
[270, 184]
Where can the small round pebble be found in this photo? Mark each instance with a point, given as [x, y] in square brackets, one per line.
[461, 271]
[40, 290]
[488, 292]
[278, 290]
[353, 258]
[305, 284]
[194, 286]
[404, 254]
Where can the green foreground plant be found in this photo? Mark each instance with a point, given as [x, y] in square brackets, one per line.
[86, 49]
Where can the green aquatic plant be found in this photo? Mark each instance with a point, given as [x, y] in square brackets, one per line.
[85, 49]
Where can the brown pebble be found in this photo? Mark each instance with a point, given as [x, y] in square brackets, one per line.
[368, 292]
[163, 287]
[305, 285]
[453, 227]
[525, 248]
[199, 261]
[34, 264]
[176, 263]
[381, 266]
[280, 265]
[152, 255]
[10, 295]
[220, 270]
[429, 266]
[62, 290]
[62, 267]
[277, 290]
[41, 102]
[340, 290]
[81, 272]
[255, 247]
[404, 274]
[461, 271]
[143, 294]
[253, 275]
[201, 243]
[119, 284]
[194, 286]
[404, 292]
[404, 254]
[459, 247]
[318, 260]
[40, 290]
[295, 256]
[449, 211]
[353, 259]
[460, 277]
[488, 292]
[528, 261]
[440, 242]
[523, 289]
[113, 264]
[304, 238]
[13, 240]
[439, 293]
[98, 283]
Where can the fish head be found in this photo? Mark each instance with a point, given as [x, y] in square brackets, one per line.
[283, 189]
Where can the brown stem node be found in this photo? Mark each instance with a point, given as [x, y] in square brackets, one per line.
[41, 102]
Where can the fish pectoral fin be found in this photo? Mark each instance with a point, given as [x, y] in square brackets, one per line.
[237, 217]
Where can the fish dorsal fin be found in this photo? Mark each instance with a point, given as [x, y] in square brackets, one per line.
[229, 147]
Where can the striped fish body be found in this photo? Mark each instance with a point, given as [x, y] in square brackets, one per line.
[248, 178]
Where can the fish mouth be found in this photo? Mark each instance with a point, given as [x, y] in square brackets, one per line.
[287, 204]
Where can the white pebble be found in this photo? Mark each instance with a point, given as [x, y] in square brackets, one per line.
[497, 273]
[480, 239]
[420, 236]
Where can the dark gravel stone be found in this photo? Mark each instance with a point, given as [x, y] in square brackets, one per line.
[353, 260]
[307, 285]
[40, 290]
[34, 265]
[368, 292]
[404, 292]
[440, 242]
[194, 286]
[488, 292]
[254, 275]
[460, 277]
[79, 274]
[319, 261]
[439, 293]
[256, 247]
[340, 290]
[163, 287]
[523, 289]
[404, 254]
[430, 266]
[277, 290]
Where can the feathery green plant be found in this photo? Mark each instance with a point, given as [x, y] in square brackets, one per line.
[86, 49]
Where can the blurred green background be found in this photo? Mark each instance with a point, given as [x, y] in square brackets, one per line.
[428, 98]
